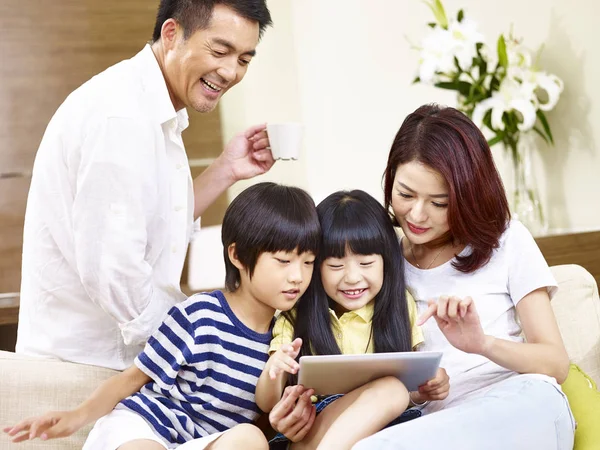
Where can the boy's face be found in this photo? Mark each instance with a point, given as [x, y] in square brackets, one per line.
[280, 278]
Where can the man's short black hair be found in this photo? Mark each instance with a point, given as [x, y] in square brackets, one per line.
[195, 15]
[268, 217]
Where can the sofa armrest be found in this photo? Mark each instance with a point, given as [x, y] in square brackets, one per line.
[31, 386]
[577, 309]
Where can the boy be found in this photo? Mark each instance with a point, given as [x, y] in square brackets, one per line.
[196, 378]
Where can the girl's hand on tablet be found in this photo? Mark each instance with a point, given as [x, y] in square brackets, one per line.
[435, 389]
[284, 359]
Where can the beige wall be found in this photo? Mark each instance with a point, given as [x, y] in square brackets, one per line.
[344, 68]
[269, 93]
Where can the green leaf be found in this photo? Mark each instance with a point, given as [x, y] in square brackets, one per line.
[502, 57]
[461, 86]
[545, 124]
[494, 84]
[461, 15]
[482, 63]
[542, 134]
[457, 65]
[487, 119]
[416, 80]
[439, 13]
[432, 24]
[495, 139]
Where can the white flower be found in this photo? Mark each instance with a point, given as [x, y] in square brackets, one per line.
[441, 46]
[465, 37]
[518, 55]
[545, 88]
[511, 96]
[552, 86]
[436, 55]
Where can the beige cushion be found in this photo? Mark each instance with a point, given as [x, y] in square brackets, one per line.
[577, 309]
[31, 386]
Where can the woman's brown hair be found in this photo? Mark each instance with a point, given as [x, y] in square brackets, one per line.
[448, 142]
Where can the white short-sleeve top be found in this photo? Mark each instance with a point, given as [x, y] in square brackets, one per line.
[515, 269]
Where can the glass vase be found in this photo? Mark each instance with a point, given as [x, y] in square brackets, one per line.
[526, 205]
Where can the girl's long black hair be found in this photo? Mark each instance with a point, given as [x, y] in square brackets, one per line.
[356, 221]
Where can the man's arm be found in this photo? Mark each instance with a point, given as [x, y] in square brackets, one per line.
[245, 156]
[115, 191]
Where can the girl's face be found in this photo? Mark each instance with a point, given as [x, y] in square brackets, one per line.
[352, 281]
[420, 202]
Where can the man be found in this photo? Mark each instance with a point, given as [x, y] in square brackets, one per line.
[112, 205]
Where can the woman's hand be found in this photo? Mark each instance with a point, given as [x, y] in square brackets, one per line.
[458, 320]
[294, 415]
[435, 389]
[54, 424]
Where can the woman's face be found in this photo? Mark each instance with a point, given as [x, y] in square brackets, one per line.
[420, 202]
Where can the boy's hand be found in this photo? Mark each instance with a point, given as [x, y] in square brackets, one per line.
[435, 389]
[294, 415]
[51, 425]
[284, 359]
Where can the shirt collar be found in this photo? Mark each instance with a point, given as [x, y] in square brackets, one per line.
[155, 86]
[365, 313]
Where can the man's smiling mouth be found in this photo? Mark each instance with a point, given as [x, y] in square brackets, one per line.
[211, 86]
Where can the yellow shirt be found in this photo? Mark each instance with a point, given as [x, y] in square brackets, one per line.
[352, 330]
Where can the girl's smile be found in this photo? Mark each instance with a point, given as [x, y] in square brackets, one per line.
[353, 280]
[354, 294]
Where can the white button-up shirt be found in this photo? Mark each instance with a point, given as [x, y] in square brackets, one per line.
[109, 218]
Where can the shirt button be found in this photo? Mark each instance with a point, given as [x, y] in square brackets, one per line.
[178, 208]
[174, 249]
[178, 166]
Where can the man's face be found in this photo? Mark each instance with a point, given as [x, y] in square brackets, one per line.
[200, 69]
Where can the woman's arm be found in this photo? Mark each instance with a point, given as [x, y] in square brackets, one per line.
[544, 352]
[102, 401]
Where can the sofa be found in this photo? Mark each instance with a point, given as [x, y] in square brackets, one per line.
[30, 386]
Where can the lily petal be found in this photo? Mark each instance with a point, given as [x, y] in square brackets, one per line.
[527, 112]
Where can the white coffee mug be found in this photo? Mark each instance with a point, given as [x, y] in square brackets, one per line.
[285, 139]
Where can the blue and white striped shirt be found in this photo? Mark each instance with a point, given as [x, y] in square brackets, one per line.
[204, 364]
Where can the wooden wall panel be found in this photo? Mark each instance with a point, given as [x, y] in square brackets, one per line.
[48, 49]
[576, 248]
[13, 196]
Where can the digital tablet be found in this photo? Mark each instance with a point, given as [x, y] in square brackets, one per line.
[340, 374]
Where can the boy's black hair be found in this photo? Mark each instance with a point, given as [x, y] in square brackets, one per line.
[268, 217]
[357, 222]
[195, 15]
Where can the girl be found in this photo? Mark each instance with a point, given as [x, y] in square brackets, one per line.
[193, 385]
[356, 303]
[483, 281]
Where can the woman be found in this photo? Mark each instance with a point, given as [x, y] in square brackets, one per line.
[483, 290]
